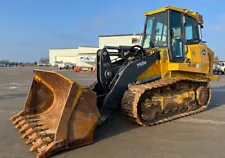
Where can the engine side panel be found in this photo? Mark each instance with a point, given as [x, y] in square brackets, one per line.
[198, 55]
[198, 65]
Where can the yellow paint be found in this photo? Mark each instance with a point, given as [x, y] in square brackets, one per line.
[165, 60]
[215, 78]
[75, 101]
[69, 80]
[211, 58]
[196, 55]
[38, 79]
[195, 15]
[157, 68]
[64, 77]
[189, 75]
[150, 72]
[68, 115]
[199, 68]
[178, 98]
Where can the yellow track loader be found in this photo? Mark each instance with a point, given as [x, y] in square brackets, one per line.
[164, 78]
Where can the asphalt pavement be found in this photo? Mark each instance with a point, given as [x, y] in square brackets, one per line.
[196, 136]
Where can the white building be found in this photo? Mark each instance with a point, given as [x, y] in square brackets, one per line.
[116, 40]
[74, 55]
[65, 55]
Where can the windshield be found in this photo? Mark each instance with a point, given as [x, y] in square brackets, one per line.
[155, 33]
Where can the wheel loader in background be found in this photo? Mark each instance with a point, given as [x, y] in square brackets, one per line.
[164, 78]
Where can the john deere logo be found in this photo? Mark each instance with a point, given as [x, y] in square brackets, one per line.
[203, 52]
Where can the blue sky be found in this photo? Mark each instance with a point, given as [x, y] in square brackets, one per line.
[28, 28]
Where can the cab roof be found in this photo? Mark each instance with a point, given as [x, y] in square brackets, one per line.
[195, 15]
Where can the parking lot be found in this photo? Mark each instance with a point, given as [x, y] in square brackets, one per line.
[197, 136]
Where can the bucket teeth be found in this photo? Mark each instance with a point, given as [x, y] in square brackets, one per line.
[25, 121]
[33, 148]
[32, 138]
[20, 124]
[35, 135]
[31, 131]
[45, 149]
[42, 148]
[28, 126]
[22, 118]
[24, 128]
[21, 113]
[18, 120]
[13, 117]
[36, 145]
[41, 154]
[40, 142]
[28, 132]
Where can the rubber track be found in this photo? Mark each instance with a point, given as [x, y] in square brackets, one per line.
[132, 95]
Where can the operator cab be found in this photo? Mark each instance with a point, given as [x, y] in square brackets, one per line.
[171, 29]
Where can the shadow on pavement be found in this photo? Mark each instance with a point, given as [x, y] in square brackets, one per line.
[115, 124]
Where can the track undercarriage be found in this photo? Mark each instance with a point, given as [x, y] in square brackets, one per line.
[165, 100]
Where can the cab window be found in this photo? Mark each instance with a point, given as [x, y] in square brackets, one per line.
[191, 30]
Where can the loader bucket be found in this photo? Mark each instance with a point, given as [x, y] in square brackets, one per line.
[58, 114]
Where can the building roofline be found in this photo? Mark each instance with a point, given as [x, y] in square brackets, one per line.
[131, 34]
[75, 47]
[89, 46]
[63, 48]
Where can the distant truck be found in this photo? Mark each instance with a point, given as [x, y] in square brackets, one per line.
[56, 64]
[43, 64]
[85, 64]
[66, 65]
[2, 65]
[219, 68]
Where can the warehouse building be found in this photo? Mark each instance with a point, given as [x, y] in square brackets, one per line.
[88, 54]
[116, 40]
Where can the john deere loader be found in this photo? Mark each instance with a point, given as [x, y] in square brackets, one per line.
[166, 77]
